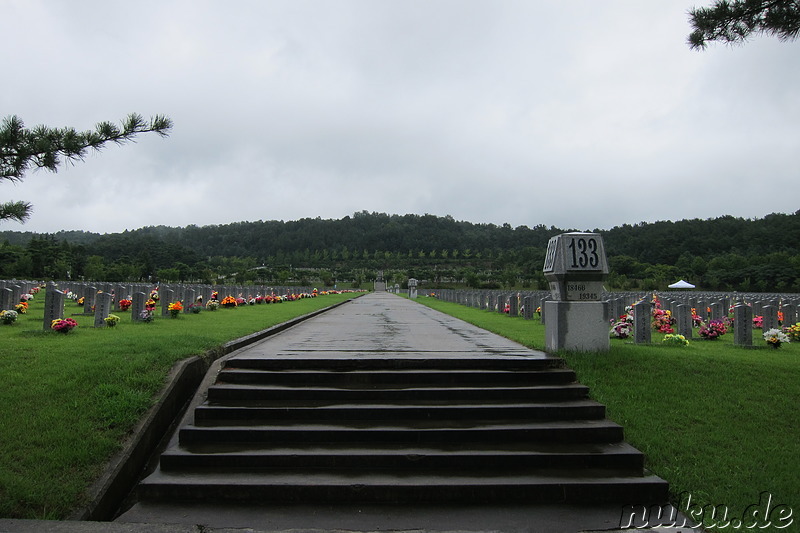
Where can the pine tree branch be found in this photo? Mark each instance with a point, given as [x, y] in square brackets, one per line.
[44, 147]
[19, 211]
[734, 21]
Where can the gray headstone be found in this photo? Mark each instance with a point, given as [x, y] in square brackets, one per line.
[770, 317]
[102, 308]
[166, 297]
[542, 309]
[89, 296]
[641, 323]
[717, 311]
[702, 310]
[16, 294]
[7, 299]
[137, 306]
[789, 314]
[53, 306]
[190, 299]
[527, 307]
[683, 320]
[743, 325]
[617, 308]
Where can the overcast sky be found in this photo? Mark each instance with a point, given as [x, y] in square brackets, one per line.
[577, 114]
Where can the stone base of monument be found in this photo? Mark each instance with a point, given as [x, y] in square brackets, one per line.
[577, 326]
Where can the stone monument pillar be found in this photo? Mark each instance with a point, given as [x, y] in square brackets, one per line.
[576, 266]
[412, 288]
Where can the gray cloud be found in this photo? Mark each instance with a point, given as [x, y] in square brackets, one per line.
[575, 114]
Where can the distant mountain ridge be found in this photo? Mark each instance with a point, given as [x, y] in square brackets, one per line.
[656, 242]
[723, 253]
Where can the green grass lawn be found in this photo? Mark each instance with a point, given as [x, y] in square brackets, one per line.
[67, 402]
[718, 422]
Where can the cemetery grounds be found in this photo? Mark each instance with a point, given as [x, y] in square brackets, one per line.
[718, 422]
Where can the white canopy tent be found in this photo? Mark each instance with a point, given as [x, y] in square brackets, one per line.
[681, 285]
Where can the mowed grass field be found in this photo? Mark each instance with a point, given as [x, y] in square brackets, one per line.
[69, 401]
[720, 423]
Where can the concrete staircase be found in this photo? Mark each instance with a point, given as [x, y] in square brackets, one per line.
[401, 429]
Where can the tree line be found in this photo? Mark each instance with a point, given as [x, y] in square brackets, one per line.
[725, 253]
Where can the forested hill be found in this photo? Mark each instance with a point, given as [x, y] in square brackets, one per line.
[657, 242]
[378, 237]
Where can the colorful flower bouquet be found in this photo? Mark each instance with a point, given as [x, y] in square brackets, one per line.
[758, 322]
[175, 309]
[228, 301]
[663, 321]
[124, 304]
[111, 320]
[713, 330]
[775, 337]
[196, 307]
[672, 339]
[662, 318]
[63, 325]
[212, 305]
[8, 316]
[21, 308]
[150, 305]
[793, 332]
[146, 315]
[621, 330]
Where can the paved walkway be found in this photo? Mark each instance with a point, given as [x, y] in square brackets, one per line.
[374, 325]
[383, 323]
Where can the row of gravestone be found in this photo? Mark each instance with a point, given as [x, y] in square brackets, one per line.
[11, 292]
[708, 306]
[101, 299]
[743, 309]
[515, 303]
[168, 293]
[528, 303]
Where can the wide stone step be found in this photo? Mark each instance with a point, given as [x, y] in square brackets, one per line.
[331, 487]
[222, 393]
[617, 456]
[206, 414]
[548, 431]
[345, 361]
[395, 378]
